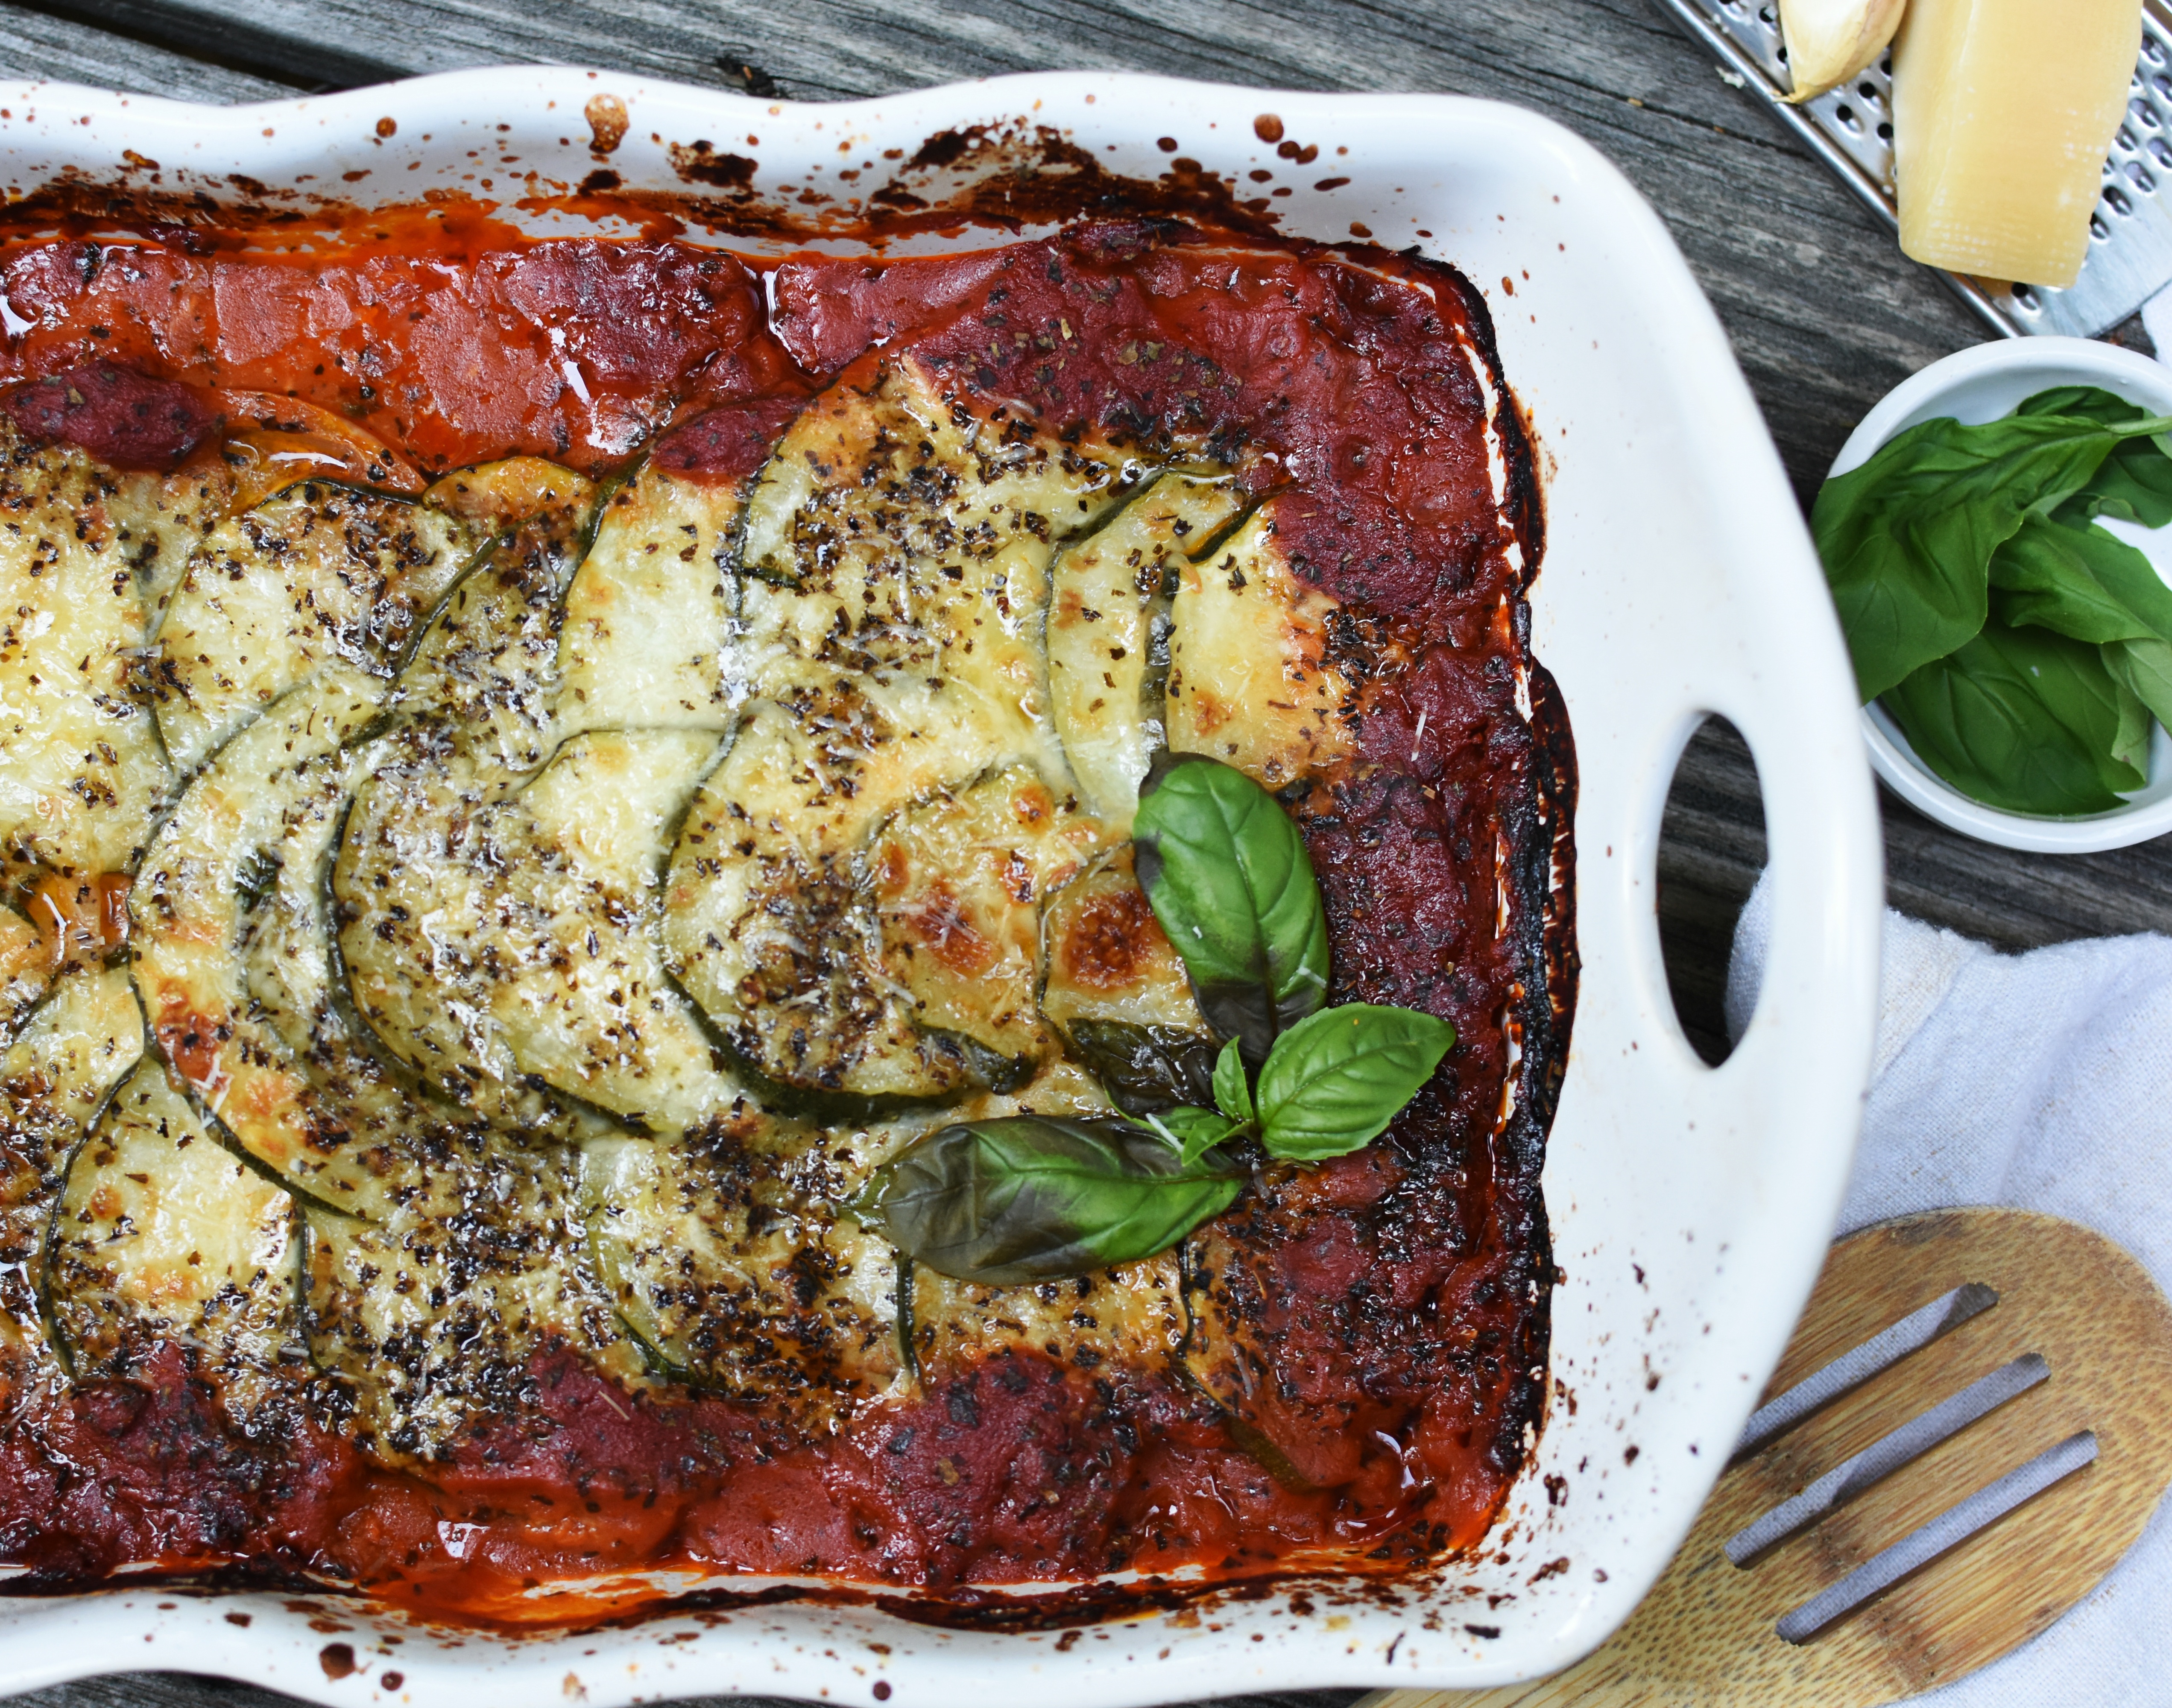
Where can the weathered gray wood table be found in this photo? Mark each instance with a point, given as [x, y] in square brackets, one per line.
[1824, 314]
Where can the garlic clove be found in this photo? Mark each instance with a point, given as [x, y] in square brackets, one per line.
[1829, 41]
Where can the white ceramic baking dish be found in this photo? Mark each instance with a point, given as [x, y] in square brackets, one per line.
[1690, 1206]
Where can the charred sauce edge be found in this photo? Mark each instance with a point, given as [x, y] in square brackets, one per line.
[1540, 827]
[963, 1609]
[1031, 175]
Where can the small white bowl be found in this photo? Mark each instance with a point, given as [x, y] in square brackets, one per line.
[1979, 385]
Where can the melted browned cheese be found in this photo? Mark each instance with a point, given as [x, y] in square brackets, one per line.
[548, 890]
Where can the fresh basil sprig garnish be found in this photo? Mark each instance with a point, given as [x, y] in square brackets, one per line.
[1228, 877]
[1333, 1083]
[1030, 1198]
[2023, 650]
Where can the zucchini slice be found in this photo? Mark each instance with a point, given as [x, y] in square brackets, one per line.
[87, 554]
[896, 549]
[470, 719]
[426, 1318]
[958, 884]
[318, 573]
[766, 927]
[232, 866]
[730, 1265]
[283, 920]
[895, 556]
[475, 703]
[54, 1078]
[516, 944]
[647, 636]
[1232, 1294]
[162, 1234]
[1131, 1316]
[27, 966]
[519, 491]
[297, 1001]
[1106, 592]
[1118, 990]
[601, 1018]
[58, 1074]
[883, 474]
[495, 924]
[1250, 680]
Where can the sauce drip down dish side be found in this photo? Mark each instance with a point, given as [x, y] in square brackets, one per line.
[533, 769]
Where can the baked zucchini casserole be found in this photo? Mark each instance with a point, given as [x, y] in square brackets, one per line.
[678, 916]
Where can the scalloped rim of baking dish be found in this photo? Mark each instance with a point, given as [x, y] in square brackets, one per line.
[1690, 1206]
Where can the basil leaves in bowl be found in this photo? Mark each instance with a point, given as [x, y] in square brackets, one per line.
[1992, 534]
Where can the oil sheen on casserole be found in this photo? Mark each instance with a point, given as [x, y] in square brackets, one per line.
[528, 768]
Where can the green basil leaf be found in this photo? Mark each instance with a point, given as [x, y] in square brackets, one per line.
[1906, 539]
[2130, 746]
[1336, 1080]
[1227, 875]
[2144, 669]
[255, 877]
[1144, 1067]
[2080, 580]
[1193, 1132]
[2134, 482]
[1232, 1091]
[2129, 577]
[2071, 681]
[2089, 403]
[2019, 718]
[1030, 1198]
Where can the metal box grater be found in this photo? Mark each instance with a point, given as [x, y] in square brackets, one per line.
[1851, 130]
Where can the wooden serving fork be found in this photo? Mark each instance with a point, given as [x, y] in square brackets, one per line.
[1971, 1425]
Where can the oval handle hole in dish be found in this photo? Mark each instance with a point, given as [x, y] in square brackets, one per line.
[1712, 847]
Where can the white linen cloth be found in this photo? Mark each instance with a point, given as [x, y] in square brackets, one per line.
[2043, 1080]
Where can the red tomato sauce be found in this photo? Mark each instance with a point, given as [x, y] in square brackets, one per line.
[1402, 1293]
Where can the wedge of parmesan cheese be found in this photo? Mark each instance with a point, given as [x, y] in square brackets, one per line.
[2003, 112]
